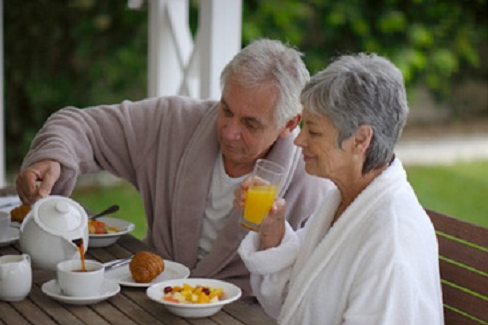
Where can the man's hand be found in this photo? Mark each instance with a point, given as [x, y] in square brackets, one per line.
[37, 181]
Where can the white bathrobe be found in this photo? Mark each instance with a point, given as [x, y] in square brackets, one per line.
[377, 265]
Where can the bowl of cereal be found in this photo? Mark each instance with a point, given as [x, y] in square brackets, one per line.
[194, 297]
[105, 231]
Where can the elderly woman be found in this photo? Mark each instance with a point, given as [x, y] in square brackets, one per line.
[369, 254]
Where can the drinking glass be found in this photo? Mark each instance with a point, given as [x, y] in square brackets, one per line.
[266, 180]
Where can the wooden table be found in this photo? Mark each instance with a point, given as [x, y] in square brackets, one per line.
[130, 306]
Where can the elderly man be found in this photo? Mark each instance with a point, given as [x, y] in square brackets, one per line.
[187, 156]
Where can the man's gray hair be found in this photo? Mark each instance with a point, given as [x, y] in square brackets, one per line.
[265, 63]
[359, 90]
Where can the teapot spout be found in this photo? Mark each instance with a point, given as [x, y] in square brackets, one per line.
[75, 249]
[78, 242]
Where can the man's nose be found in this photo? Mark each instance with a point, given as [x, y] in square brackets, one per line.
[232, 130]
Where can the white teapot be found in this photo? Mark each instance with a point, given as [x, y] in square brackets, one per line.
[52, 231]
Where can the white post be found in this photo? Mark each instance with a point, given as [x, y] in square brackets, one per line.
[2, 110]
[220, 33]
[176, 64]
[170, 45]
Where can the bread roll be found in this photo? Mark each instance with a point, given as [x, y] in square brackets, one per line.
[146, 266]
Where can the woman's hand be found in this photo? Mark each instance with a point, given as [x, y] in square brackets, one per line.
[273, 226]
[240, 191]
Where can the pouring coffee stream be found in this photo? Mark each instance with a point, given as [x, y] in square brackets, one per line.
[79, 244]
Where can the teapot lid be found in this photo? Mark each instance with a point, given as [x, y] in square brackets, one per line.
[59, 215]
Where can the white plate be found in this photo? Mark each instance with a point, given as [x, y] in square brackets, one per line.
[172, 270]
[104, 240]
[109, 289]
[12, 237]
[231, 293]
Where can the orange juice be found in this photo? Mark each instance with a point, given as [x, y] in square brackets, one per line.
[259, 199]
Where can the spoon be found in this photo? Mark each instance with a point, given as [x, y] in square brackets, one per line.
[117, 263]
[109, 210]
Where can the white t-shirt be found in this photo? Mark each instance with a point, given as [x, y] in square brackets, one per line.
[219, 204]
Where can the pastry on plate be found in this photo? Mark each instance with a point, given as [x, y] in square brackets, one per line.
[146, 266]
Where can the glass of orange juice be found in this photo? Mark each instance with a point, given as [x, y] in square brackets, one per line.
[266, 181]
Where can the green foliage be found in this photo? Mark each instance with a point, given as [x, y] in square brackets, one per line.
[87, 52]
[76, 52]
[431, 41]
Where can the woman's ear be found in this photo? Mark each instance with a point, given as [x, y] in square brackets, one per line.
[290, 125]
[362, 139]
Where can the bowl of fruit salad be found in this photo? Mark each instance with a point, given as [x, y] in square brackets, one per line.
[194, 297]
[105, 231]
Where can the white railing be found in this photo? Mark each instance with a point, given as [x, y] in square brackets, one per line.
[178, 63]
[182, 64]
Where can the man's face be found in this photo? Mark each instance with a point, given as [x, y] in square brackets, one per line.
[245, 124]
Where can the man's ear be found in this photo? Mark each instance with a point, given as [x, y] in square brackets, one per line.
[290, 125]
[362, 138]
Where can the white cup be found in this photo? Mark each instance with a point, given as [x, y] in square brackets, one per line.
[4, 225]
[77, 283]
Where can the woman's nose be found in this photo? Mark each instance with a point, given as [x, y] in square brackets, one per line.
[299, 139]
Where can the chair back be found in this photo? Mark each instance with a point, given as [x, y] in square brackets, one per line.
[463, 250]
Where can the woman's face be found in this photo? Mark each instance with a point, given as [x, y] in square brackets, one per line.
[322, 156]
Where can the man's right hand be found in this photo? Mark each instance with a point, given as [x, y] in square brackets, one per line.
[37, 181]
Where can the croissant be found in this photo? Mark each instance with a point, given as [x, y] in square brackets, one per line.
[146, 266]
[18, 213]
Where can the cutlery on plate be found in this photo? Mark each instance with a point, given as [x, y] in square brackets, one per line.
[109, 210]
[117, 263]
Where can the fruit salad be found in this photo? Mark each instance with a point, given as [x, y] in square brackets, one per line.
[96, 227]
[193, 295]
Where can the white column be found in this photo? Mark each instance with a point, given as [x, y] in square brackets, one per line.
[2, 110]
[170, 45]
[220, 33]
[176, 64]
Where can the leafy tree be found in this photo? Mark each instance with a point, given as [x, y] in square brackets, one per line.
[434, 42]
[59, 53]
[87, 52]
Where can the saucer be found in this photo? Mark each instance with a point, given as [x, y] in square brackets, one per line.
[109, 289]
[12, 237]
[172, 271]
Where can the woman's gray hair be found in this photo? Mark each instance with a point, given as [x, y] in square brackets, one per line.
[359, 90]
[267, 62]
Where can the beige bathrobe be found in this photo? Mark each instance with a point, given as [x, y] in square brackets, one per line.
[166, 147]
